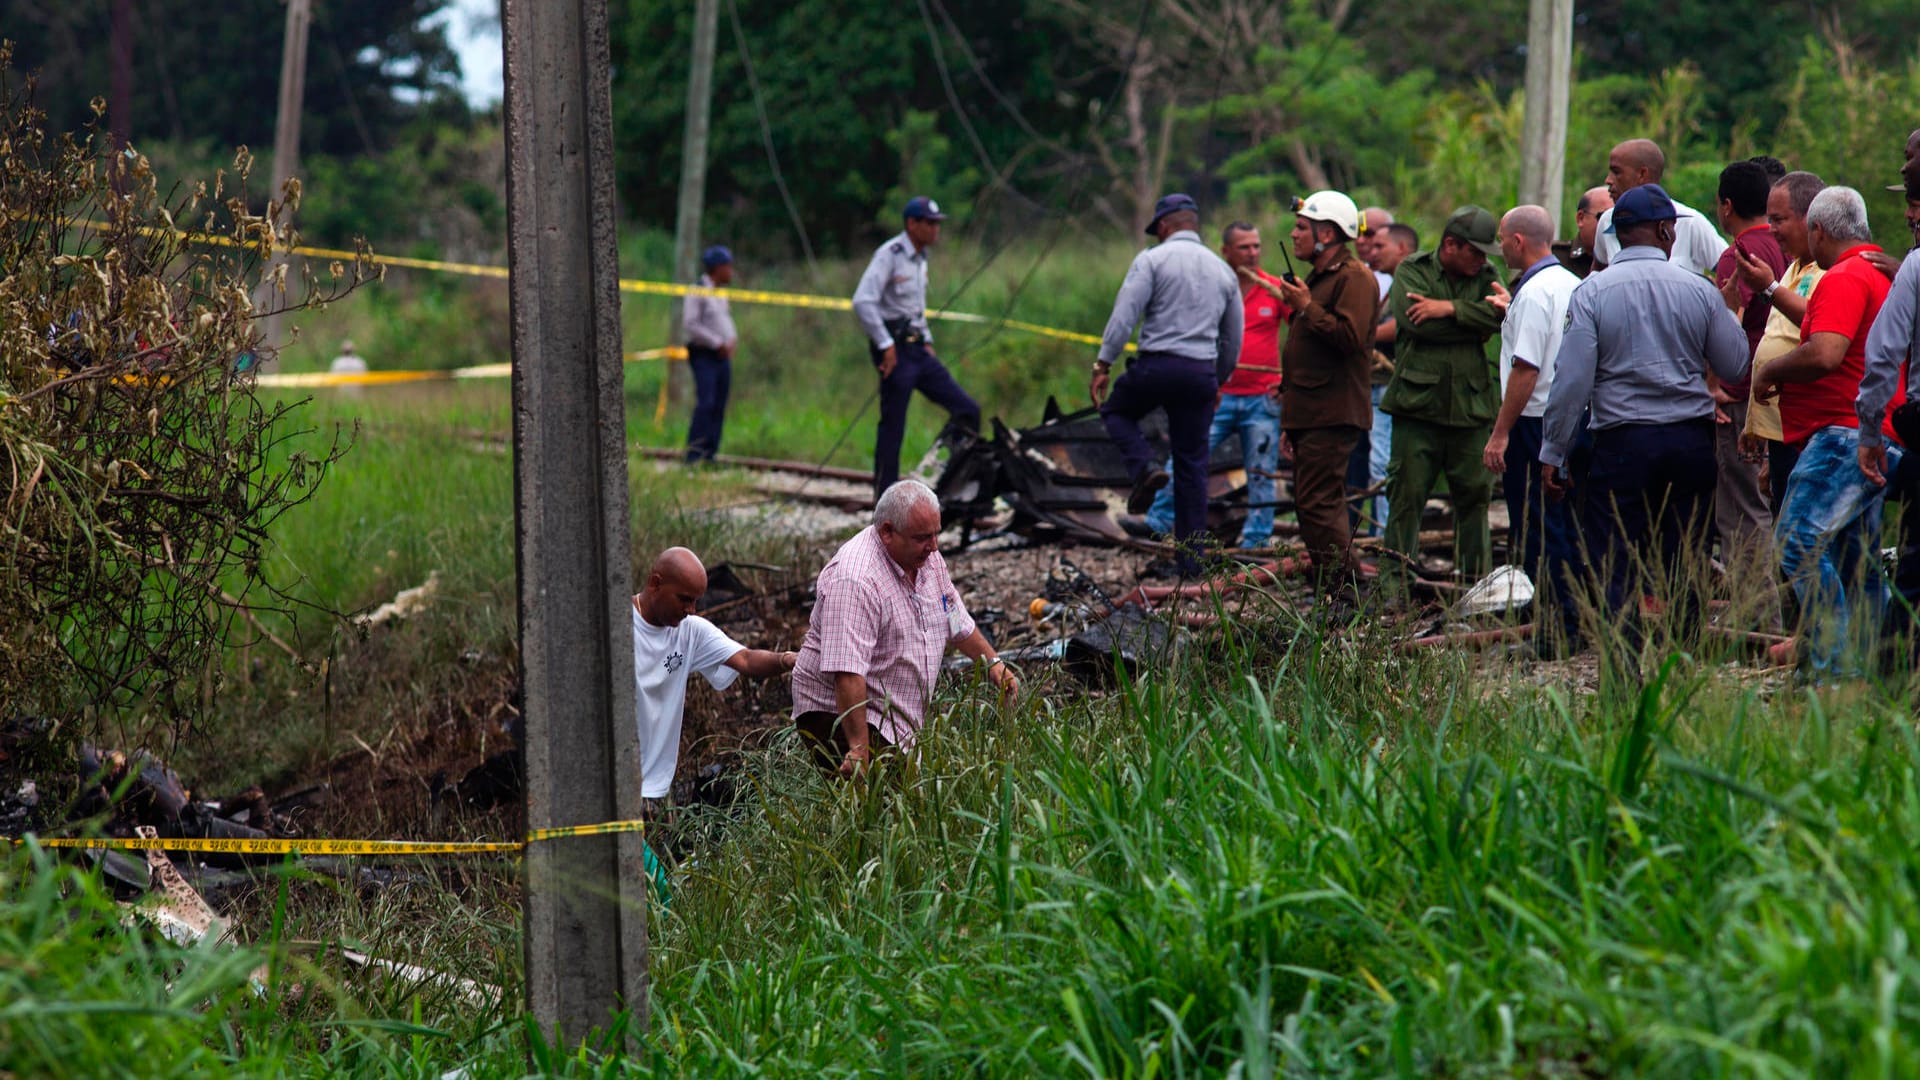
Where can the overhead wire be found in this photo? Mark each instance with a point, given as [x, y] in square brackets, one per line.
[1001, 322]
[994, 174]
[766, 138]
[1073, 197]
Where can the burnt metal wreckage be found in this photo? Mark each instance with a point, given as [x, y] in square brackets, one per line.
[1064, 478]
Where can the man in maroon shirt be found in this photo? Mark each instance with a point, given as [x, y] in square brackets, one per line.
[1740, 512]
[1828, 529]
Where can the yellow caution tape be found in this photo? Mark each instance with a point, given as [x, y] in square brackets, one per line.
[636, 285]
[387, 378]
[318, 846]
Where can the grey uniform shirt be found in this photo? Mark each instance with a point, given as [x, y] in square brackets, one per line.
[894, 287]
[708, 320]
[1639, 341]
[1186, 301]
[1889, 344]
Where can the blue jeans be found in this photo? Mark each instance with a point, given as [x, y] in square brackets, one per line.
[1368, 466]
[1256, 419]
[1828, 534]
[1379, 452]
[712, 380]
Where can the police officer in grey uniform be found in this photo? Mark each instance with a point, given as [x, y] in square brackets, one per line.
[1187, 304]
[1639, 342]
[891, 304]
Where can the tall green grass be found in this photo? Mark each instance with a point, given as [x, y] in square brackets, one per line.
[1309, 858]
[1294, 863]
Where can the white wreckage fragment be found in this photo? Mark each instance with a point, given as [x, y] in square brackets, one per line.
[1506, 589]
[405, 604]
[181, 914]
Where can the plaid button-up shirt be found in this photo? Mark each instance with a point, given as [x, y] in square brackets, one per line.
[870, 620]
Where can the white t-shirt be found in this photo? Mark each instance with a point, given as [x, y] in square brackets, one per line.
[1697, 244]
[662, 657]
[1535, 321]
[1385, 281]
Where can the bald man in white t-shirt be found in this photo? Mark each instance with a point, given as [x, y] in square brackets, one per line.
[669, 643]
[1696, 243]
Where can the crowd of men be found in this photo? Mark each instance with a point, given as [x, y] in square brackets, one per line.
[1670, 389]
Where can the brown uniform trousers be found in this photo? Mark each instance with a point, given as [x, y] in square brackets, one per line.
[1327, 404]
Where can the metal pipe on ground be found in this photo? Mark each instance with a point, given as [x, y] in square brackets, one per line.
[798, 468]
[1472, 639]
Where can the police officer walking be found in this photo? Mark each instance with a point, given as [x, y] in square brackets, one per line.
[1639, 342]
[891, 304]
[1187, 304]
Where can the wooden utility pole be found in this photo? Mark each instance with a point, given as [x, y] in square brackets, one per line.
[1543, 140]
[286, 131]
[586, 904]
[693, 176]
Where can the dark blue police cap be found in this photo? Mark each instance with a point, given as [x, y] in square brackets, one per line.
[1169, 204]
[921, 208]
[717, 255]
[1648, 202]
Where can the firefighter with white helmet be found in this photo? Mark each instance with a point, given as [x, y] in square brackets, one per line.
[1326, 393]
[1333, 208]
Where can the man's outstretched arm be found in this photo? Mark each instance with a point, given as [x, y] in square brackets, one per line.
[761, 663]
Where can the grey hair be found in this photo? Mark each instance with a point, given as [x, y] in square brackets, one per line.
[1841, 212]
[1801, 188]
[898, 501]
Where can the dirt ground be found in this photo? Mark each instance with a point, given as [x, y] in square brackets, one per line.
[413, 786]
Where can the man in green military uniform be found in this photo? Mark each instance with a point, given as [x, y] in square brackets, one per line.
[1445, 391]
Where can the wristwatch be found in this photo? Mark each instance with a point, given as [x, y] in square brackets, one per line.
[1769, 290]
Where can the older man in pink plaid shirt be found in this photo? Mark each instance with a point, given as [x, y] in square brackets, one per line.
[885, 614]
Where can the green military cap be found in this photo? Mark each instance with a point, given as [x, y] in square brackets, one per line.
[1477, 227]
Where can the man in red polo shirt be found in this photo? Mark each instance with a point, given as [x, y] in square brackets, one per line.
[1828, 529]
[1249, 399]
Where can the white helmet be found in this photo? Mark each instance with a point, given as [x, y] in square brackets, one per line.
[1331, 207]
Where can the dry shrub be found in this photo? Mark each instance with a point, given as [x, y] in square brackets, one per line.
[141, 471]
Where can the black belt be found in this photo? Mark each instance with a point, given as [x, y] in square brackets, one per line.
[904, 332]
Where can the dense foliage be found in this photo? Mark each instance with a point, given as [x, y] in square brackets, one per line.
[1090, 108]
[211, 72]
[141, 472]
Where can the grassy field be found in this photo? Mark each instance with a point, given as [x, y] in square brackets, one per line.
[1278, 859]
[802, 376]
[1279, 853]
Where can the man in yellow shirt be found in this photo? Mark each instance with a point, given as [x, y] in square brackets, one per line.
[1787, 206]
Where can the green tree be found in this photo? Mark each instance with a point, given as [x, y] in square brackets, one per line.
[835, 79]
[212, 71]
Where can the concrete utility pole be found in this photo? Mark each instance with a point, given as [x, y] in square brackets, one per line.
[586, 903]
[693, 176]
[286, 128]
[120, 89]
[1543, 140]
